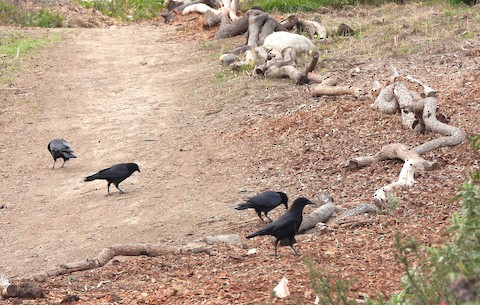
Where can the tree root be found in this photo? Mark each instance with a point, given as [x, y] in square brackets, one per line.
[419, 115]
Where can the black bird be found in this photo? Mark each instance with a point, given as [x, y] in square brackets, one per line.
[59, 148]
[264, 202]
[286, 227]
[115, 174]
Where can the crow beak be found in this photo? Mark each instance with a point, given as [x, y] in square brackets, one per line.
[311, 202]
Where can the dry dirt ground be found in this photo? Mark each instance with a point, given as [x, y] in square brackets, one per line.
[148, 93]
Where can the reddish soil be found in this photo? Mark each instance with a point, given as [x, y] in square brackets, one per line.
[148, 93]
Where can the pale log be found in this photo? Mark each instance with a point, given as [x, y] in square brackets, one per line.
[320, 89]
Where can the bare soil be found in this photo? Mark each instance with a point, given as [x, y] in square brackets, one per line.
[148, 93]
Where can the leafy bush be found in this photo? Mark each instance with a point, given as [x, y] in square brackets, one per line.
[45, 19]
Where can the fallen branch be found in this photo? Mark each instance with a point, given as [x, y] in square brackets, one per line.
[452, 135]
[230, 29]
[427, 91]
[104, 257]
[320, 214]
[358, 210]
[391, 151]
[320, 89]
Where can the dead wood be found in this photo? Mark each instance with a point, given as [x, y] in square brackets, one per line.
[376, 87]
[320, 214]
[26, 290]
[405, 100]
[290, 22]
[358, 210]
[386, 101]
[233, 10]
[307, 27]
[321, 89]
[10, 291]
[104, 257]
[271, 25]
[392, 151]
[285, 65]
[315, 78]
[452, 135]
[427, 91]
[230, 29]
[256, 20]
[211, 19]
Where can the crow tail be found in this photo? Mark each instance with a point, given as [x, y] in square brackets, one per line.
[254, 234]
[90, 178]
[68, 155]
[243, 206]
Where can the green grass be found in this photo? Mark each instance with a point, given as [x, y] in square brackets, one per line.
[10, 14]
[14, 46]
[126, 10]
[291, 6]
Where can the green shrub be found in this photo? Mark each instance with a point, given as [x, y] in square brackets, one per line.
[10, 14]
[43, 18]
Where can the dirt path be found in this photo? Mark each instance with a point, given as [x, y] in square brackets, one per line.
[123, 94]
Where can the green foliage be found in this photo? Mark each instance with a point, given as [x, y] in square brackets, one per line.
[126, 10]
[10, 14]
[44, 18]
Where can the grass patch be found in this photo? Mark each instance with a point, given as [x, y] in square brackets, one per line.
[126, 10]
[14, 46]
[10, 14]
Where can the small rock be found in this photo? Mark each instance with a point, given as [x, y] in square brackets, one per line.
[252, 251]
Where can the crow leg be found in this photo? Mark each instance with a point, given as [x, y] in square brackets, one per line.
[268, 217]
[276, 246]
[292, 241]
[294, 250]
[108, 188]
[54, 161]
[63, 162]
[116, 185]
[259, 213]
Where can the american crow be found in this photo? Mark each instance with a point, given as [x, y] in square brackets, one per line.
[59, 148]
[286, 227]
[115, 174]
[264, 202]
